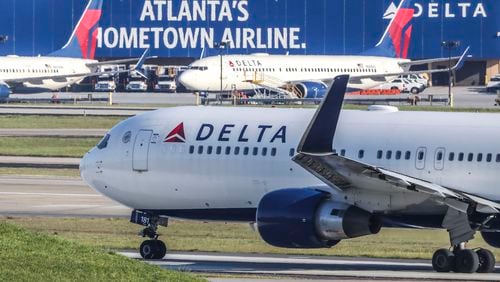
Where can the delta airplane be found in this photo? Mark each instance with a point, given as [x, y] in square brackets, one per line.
[307, 76]
[69, 65]
[308, 178]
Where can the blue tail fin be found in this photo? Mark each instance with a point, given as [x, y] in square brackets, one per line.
[83, 40]
[396, 38]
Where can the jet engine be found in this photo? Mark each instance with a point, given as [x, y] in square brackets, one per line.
[309, 218]
[4, 92]
[310, 89]
[492, 238]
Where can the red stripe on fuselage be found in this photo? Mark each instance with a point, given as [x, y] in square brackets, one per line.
[403, 17]
[88, 22]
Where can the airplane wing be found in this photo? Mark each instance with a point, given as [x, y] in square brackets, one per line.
[135, 68]
[315, 154]
[118, 62]
[458, 65]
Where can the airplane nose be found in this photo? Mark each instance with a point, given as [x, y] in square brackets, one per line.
[188, 80]
[87, 167]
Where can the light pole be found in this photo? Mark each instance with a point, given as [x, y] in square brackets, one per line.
[222, 46]
[450, 44]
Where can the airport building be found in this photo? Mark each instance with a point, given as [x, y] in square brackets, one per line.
[179, 31]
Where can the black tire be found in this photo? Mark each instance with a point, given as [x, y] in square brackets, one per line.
[443, 260]
[466, 261]
[486, 261]
[394, 88]
[415, 90]
[148, 249]
[161, 249]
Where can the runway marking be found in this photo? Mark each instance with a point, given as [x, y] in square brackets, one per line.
[50, 194]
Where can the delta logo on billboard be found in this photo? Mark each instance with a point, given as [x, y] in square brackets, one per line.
[454, 9]
[176, 135]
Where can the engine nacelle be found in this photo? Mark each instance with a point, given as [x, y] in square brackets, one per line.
[492, 238]
[308, 218]
[311, 89]
[4, 92]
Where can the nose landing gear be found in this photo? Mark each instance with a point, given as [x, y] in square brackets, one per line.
[152, 248]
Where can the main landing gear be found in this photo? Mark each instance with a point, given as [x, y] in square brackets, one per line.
[458, 258]
[152, 248]
[463, 260]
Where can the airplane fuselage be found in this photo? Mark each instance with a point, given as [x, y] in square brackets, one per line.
[14, 67]
[226, 159]
[246, 72]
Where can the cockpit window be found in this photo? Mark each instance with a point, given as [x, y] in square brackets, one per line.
[201, 68]
[104, 142]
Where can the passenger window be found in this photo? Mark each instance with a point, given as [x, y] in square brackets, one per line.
[451, 156]
[420, 155]
[292, 152]
[245, 151]
[379, 154]
[470, 157]
[479, 157]
[398, 155]
[361, 154]
[342, 152]
[388, 154]
[488, 158]
[191, 149]
[407, 155]
[460, 157]
[200, 150]
[498, 158]
[264, 151]
[273, 152]
[218, 151]
[439, 156]
[209, 150]
[255, 151]
[228, 150]
[236, 150]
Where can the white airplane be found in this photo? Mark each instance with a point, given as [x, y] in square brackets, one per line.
[307, 76]
[308, 178]
[69, 65]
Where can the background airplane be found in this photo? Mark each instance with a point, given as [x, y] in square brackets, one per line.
[71, 64]
[308, 76]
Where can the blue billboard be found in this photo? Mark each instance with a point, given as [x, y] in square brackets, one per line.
[183, 28]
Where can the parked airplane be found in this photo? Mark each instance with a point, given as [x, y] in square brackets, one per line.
[69, 65]
[308, 75]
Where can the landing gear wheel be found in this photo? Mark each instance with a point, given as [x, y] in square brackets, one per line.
[153, 249]
[414, 90]
[443, 260]
[466, 261]
[486, 261]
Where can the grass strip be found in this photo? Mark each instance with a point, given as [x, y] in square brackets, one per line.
[108, 233]
[40, 121]
[29, 256]
[46, 146]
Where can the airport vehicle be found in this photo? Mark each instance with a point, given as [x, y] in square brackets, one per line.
[494, 84]
[403, 85]
[137, 83]
[71, 64]
[297, 75]
[308, 178]
[416, 78]
[106, 83]
[166, 83]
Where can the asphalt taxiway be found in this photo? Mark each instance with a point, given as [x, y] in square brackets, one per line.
[348, 269]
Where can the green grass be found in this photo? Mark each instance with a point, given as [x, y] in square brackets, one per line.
[29, 256]
[39, 171]
[236, 237]
[35, 121]
[46, 146]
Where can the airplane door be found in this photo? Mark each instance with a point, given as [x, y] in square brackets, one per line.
[140, 154]
[420, 158]
[439, 159]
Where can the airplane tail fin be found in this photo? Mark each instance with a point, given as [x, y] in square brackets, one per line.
[396, 39]
[83, 40]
